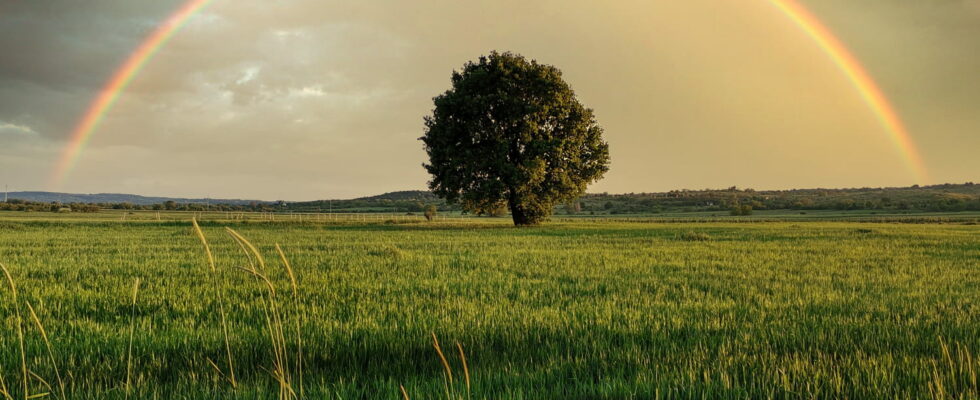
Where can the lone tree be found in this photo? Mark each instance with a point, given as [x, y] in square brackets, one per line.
[511, 132]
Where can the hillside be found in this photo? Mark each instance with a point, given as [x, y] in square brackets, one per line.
[116, 198]
[936, 198]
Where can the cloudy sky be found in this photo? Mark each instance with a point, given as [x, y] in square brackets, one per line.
[310, 99]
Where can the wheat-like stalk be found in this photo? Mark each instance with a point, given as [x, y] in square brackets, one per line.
[246, 243]
[221, 301]
[273, 316]
[442, 357]
[299, 316]
[20, 330]
[466, 369]
[47, 344]
[445, 365]
[3, 389]
[132, 333]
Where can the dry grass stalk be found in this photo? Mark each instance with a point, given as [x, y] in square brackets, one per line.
[466, 369]
[445, 365]
[3, 389]
[273, 316]
[244, 242]
[442, 357]
[221, 301]
[299, 316]
[404, 393]
[20, 331]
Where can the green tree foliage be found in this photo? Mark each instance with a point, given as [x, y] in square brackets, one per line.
[511, 131]
[743, 209]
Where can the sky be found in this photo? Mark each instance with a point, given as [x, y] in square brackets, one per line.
[314, 99]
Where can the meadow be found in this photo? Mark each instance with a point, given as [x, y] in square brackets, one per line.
[570, 310]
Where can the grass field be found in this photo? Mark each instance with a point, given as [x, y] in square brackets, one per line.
[570, 310]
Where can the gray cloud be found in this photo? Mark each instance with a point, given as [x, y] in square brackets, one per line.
[311, 99]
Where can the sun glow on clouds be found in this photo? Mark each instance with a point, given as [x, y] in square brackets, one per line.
[697, 88]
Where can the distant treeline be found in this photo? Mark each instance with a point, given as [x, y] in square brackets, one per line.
[23, 205]
[936, 198]
[946, 197]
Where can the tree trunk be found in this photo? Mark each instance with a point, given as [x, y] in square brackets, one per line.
[521, 218]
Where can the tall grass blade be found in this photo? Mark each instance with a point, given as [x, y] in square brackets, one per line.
[466, 368]
[20, 330]
[445, 365]
[132, 334]
[47, 344]
[272, 313]
[3, 389]
[221, 301]
[299, 316]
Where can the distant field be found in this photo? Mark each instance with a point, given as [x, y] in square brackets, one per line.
[375, 216]
[575, 309]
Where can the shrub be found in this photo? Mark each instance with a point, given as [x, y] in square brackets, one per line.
[693, 236]
[430, 212]
[744, 209]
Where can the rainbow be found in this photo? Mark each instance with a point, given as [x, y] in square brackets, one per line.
[826, 40]
[859, 77]
[117, 83]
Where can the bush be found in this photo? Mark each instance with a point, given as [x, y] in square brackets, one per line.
[744, 209]
[430, 212]
[693, 236]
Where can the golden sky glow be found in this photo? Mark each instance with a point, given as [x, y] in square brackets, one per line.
[312, 99]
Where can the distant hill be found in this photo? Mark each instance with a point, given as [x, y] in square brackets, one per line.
[420, 195]
[945, 197]
[105, 198]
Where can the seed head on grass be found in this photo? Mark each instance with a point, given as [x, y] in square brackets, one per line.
[221, 302]
[466, 369]
[296, 310]
[273, 316]
[445, 364]
[442, 357]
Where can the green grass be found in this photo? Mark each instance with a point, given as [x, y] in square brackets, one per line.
[570, 310]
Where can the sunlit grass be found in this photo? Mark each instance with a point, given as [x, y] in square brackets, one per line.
[567, 310]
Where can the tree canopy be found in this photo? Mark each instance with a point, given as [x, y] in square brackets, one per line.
[510, 131]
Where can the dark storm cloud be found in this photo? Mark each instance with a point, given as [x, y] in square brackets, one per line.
[55, 54]
[70, 45]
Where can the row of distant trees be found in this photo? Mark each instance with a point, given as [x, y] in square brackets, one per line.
[24, 205]
[741, 203]
[21, 205]
[428, 210]
[632, 205]
[941, 198]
